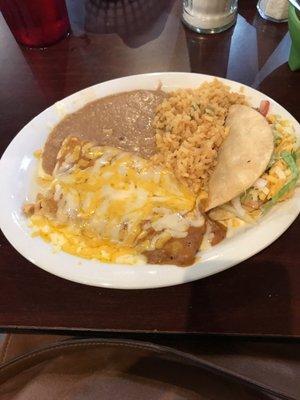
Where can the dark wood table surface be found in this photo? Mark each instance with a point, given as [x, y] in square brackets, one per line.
[261, 296]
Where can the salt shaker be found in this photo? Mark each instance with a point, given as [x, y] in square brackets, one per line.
[273, 10]
[209, 16]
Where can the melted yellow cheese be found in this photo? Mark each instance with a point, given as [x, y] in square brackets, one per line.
[105, 210]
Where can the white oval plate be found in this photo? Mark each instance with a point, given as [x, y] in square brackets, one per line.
[17, 167]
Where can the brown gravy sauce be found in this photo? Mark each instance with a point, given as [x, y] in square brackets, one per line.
[123, 120]
[180, 252]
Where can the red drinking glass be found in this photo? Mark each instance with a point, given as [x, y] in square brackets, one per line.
[36, 23]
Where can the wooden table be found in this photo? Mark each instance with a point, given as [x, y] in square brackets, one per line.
[258, 297]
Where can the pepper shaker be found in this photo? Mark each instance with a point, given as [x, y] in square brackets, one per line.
[273, 10]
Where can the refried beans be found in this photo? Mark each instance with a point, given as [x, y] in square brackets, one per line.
[123, 120]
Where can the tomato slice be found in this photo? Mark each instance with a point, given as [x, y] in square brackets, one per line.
[264, 107]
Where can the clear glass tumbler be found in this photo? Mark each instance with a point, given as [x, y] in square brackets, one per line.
[209, 16]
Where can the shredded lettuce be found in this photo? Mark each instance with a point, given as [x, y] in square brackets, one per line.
[290, 160]
[246, 218]
[296, 155]
[272, 161]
